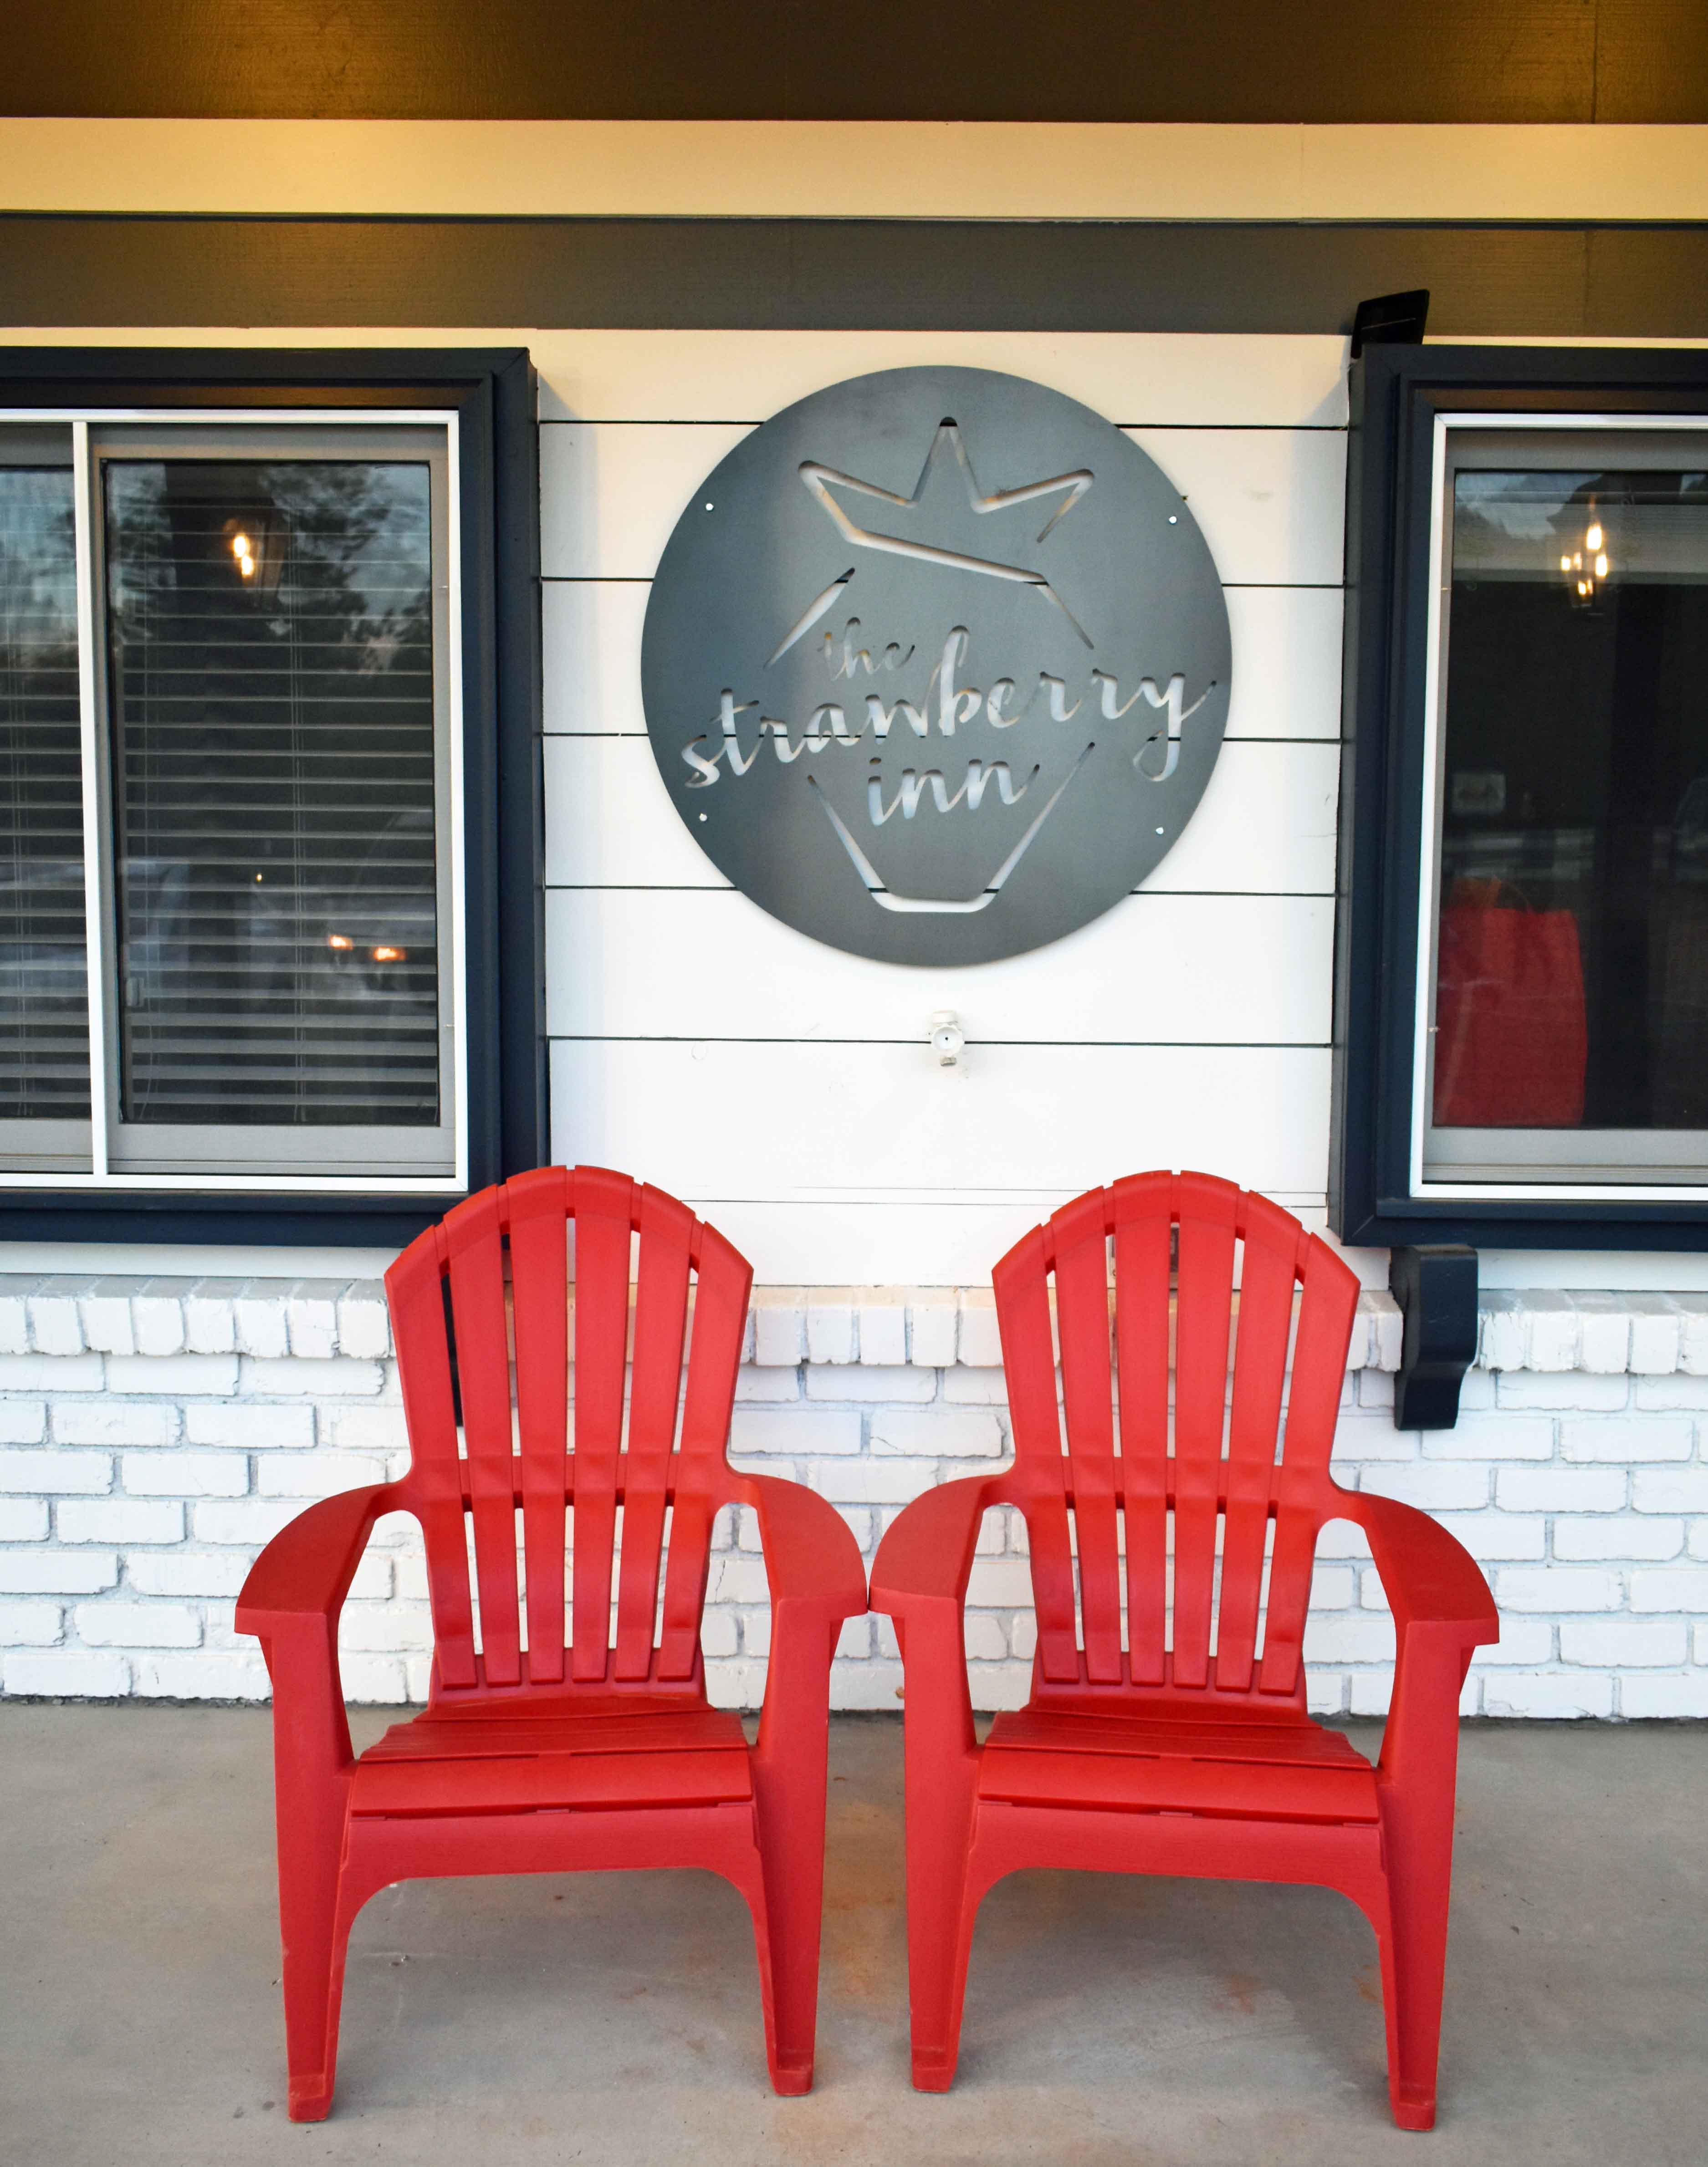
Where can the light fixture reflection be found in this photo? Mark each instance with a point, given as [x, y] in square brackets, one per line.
[1588, 567]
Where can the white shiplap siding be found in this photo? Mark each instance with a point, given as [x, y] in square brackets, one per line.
[784, 1086]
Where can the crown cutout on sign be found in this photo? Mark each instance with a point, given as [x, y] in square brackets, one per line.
[941, 497]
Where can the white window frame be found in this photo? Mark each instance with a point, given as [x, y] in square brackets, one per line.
[1430, 856]
[102, 1179]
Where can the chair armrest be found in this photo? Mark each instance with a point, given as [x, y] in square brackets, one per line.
[1442, 1610]
[816, 1578]
[306, 1569]
[919, 1580]
[812, 1561]
[290, 1601]
[1428, 1576]
[927, 1555]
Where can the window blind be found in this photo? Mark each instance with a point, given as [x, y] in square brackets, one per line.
[271, 707]
[43, 1004]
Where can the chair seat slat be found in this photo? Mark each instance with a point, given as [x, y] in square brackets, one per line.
[547, 1782]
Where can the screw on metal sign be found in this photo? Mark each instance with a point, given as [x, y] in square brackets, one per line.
[937, 666]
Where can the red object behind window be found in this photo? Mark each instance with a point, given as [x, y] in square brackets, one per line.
[1511, 1041]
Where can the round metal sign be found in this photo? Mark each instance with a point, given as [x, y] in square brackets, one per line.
[935, 665]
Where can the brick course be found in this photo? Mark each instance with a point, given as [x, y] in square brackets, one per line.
[156, 1432]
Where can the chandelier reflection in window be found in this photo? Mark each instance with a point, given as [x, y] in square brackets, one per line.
[1587, 568]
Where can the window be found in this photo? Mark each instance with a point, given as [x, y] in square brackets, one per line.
[1565, 1038]
[249, 849]
[1522, 1010]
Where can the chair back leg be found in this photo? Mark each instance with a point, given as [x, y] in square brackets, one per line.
[789, 1798]
[1418, 1841]
[942, 1906]
[315, 1932]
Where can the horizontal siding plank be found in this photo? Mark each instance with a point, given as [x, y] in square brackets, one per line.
[939, 1242]
[590, 642]
[708, 1118]
[1133, 377]
[610, 492]
[1287, 659]
[1270, 501]
[1265, 824]
[1156, 969]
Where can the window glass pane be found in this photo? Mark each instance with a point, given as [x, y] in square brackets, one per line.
[44, 999]
[1571, 939]
[272, 712]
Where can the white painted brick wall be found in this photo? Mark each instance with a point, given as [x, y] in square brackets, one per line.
[154, 1433]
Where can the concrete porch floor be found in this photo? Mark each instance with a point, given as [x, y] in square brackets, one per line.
[614, 2018]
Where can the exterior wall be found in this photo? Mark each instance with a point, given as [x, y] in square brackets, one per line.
[1204, 998]
[155, 1433]
[155, 1428]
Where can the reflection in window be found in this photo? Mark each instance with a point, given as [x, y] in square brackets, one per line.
[1572, 940]
[44, 1000]
[272, 712]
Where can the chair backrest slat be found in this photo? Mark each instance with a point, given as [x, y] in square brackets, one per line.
[517, 1445]
[1029, 1363]
[1266, 1284]
[1082, 1321]
[474, 1240]
[1224, 1496]
[723, 1280]
[1144, 1243]
[538, 1206]
[414, 1291]
[1327, 1308]
[1208, 1210]
[661, 1323]
[604, 1221]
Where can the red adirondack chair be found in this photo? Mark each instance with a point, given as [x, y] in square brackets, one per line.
[1143, 1750]
[543, 1757]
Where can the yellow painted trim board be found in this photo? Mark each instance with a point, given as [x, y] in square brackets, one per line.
[852, 169]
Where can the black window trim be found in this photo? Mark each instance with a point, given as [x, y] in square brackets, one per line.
[492, 392]
[1396, 392]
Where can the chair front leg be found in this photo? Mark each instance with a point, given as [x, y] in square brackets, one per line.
[1416, 1788]
[789, 1783]
[312, 1767]
[941, 1778]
